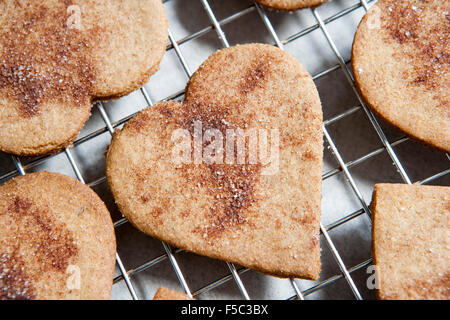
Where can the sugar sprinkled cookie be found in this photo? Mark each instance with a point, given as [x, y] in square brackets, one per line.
[411, 241]
[57, 57]
[56, 241]
[164, 293]
[401, 65]
[256, 207]
[290, 4]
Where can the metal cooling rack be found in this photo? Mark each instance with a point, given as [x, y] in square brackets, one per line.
[234, 271]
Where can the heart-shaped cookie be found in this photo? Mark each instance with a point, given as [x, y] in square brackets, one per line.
[234, 172]
[56, 57]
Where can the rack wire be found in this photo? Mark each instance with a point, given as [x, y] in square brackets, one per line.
[343, 167]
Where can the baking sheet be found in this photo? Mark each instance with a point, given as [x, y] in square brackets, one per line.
[353, 135]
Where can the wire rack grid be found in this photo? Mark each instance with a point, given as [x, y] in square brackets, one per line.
[343, 167]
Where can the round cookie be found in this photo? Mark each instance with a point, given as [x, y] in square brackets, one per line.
[290, 4]
[401, 66]
[260, 214]
[57, 240]
[57, 57]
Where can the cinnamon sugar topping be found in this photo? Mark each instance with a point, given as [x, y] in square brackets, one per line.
[41, 59]
[14, 283]
[423, 31]
[230, 185]
[53, 246]
[254, 77]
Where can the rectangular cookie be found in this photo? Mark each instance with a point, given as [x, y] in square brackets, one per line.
[411, 241]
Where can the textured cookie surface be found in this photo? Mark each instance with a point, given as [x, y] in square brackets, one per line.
[56, 57]
[261, 214]
[401, 64]
[411, 241]
[168, 294]
[56, 241]
[290, 4]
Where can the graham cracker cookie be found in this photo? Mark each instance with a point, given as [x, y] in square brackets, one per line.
[164, 293]
[57, 57]
[411, 241]
[401, 65]
[56, 241]
[226, 200]
[290, 4]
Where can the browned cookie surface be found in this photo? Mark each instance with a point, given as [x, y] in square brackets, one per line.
[290, 4]
[411, 241]
[230, 205]
[56, 57]
[401, 64]
[168, 294]
[57, 240]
